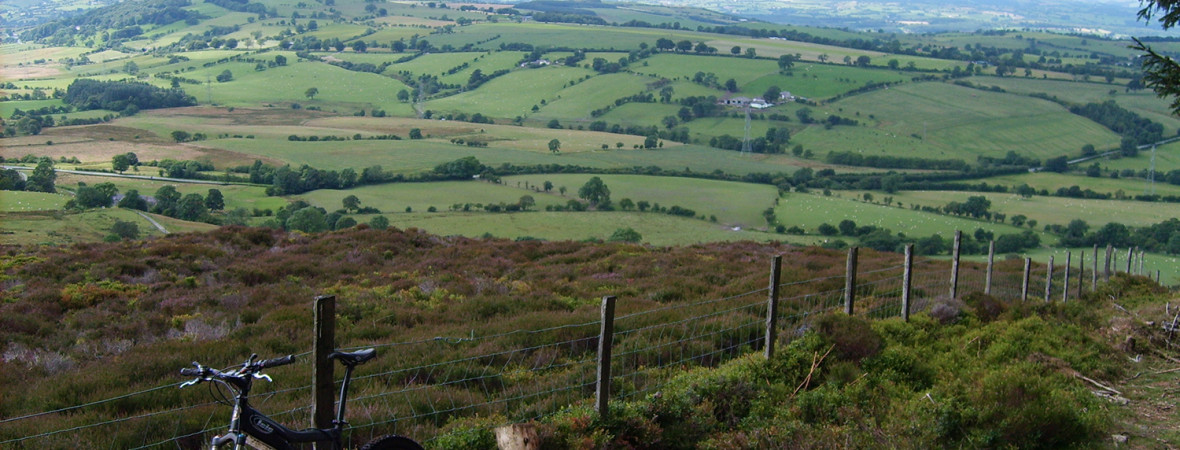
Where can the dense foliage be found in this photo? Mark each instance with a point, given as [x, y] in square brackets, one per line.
[86, 94]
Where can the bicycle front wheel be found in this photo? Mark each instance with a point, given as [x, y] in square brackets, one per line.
[392, 442]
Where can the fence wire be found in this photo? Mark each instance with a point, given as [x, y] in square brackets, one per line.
[420, 388]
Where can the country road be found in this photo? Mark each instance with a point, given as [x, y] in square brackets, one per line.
[153, 222]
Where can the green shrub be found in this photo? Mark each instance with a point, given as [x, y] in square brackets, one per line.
[853, 337]
[986, 307]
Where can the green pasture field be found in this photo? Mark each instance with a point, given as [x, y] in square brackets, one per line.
[560, 35]
[407, 156]
[7, 108]
[662, 14]
[503, 96]
[1167, 158]
[641, 113]
[488, 63]
[21, 201]
[187, 69]
[386, 35]
[960, 122]
[809, 211]
[375, 58]
[329, 30]
[394, 198]
[819, 81]
[577, 101]
[609, 56]
[22, 54]
[508, 137]
[236, 195]
[1053, 181]
[56, 228]
[411, 22]
[682, 67]
[1144, 102]
[1047, 210]
[682, 89]
[435, 64]
[773, 48]
[338, 88]
[656, 229]
[705, 127]
[733, 203]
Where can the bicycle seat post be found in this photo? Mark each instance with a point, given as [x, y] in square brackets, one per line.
[339, 422]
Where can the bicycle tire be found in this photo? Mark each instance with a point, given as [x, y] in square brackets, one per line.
[392, 442]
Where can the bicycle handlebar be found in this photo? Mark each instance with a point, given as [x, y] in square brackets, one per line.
[191, 372]
[246, 370]
[276, 362]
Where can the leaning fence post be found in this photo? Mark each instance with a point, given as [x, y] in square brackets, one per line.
[606, 333]
[1024, 284]
[1065, 281]
[850, 281]
[955, 264]
[1049, 279]
[991, 260]
[322, 378]
[1130, 255]
[906, 281]
[1106, 265]
[772, 306]
[1094, 272]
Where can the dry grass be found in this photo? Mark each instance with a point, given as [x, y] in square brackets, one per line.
[403, 20]
[27, 72]
[242, 116]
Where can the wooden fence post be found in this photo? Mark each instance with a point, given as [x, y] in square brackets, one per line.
[1106, 265]
[1130, 256]
[906, 282]
[991, 260]
[1024, 284]
[955, 264]
[606, 334]
[1094, 272]
[322, 378]
[772, 306]
[1081, 272]
[1049, 279]
[1065, 281]
[850, 281]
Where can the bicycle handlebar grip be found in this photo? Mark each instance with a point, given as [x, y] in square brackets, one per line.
[190, 372]
[281, 361]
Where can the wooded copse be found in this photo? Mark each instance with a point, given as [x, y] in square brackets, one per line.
[87, 94]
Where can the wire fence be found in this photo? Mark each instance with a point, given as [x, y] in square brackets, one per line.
[528, 374]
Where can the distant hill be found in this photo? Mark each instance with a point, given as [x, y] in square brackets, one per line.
[923, 16]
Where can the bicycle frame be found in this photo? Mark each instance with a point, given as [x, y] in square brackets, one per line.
[249, 424]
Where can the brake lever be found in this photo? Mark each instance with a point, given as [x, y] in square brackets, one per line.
[263, 376]
[191, 382]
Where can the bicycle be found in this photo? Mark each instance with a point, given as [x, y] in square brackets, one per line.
[248, 426]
